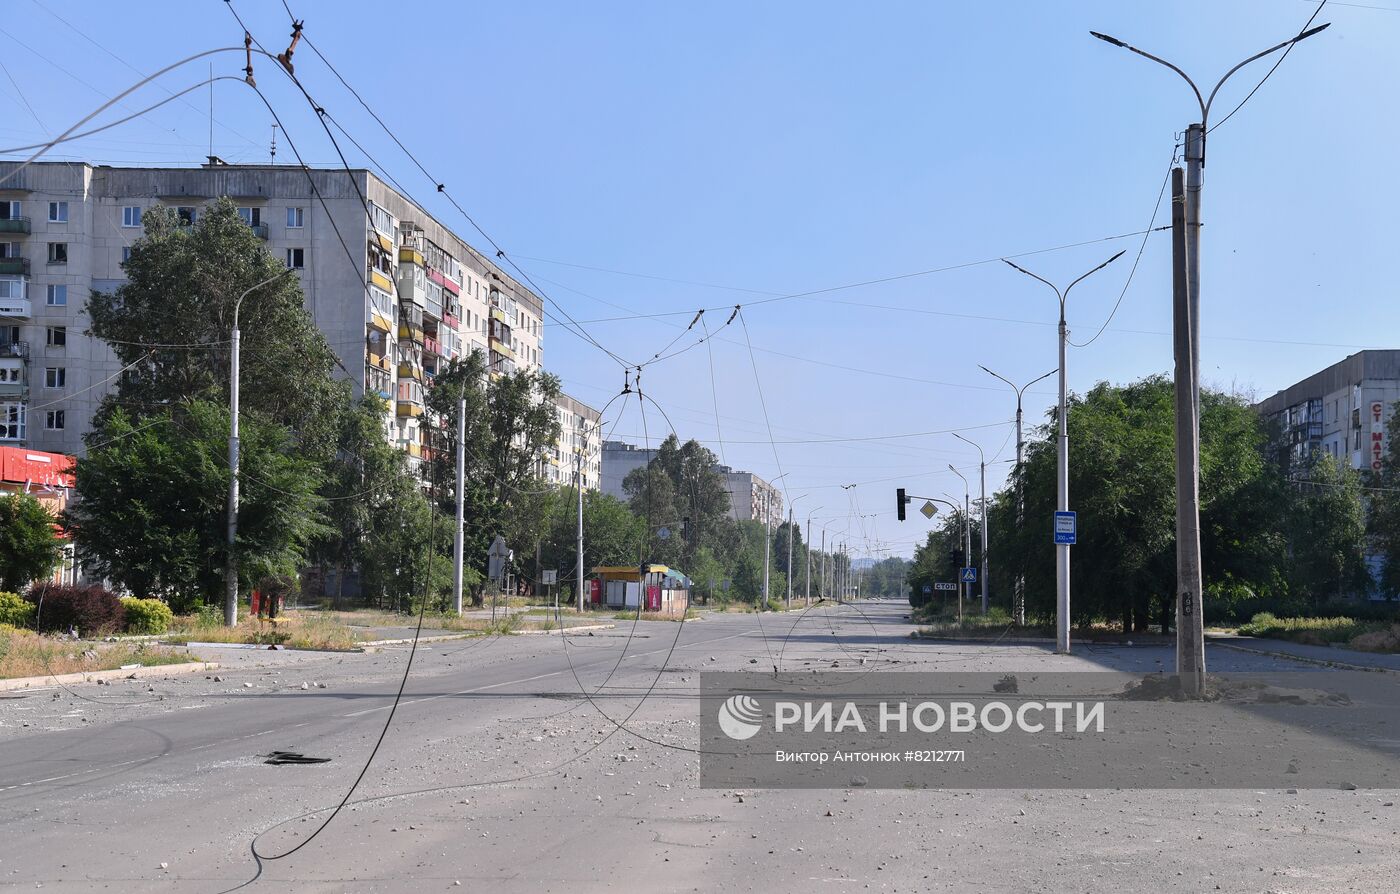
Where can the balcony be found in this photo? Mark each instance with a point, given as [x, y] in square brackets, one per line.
[411, 331]
[260, 230]
[14, 266]
[431, 345]
[410, 255]
[410, 409]
[15, 225]
[381, 280]
[15, 307]
[499, 347]
[14, 348]
[14, 390]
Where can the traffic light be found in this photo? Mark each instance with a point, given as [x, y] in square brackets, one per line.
[685, 529]
[900, 500]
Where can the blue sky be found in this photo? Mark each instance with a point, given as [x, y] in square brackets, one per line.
[721, 153]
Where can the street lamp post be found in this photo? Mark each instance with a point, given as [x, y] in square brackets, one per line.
[808, 549]
[967, 528]
[1062, 460]
[1018, 610]
[231, 565]
[986, 572]
[789, 559]
[1190, 633]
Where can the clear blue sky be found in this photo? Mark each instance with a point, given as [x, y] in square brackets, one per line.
[786, 147]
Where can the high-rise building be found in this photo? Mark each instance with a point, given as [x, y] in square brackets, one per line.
[579, 448]
[619, 460]
[396, 293]
[1342, 410]
[753, 498]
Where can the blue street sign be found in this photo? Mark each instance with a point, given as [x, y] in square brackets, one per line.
[968, 576]
[927, 589]
[1066, 527]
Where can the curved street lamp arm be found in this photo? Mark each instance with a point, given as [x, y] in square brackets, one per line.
[1033, 381]
[1033, 276]
[980, 454]
[1127, 46]
[1092, 272]
[1205, 109]
[1003, 378]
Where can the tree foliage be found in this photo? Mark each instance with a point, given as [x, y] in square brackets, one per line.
[28, 548]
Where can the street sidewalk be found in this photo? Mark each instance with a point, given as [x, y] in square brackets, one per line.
[1319, 654]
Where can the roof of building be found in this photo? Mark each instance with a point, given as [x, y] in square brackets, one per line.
[1359, 367]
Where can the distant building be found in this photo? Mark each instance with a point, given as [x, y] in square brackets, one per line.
[1343, 410]
[751, 498]
[578, 444]
[619, 459]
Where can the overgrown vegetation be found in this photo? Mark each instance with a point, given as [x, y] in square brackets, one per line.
[24, 653]
[294, 630]
[146, 616]
[1365, 636]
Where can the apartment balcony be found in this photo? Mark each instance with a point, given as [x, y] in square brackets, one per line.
[14, 266]
[409, 409]
[432, 345]
[411, 332]
[410, 372]
[499, 347]
[14, 348]
[14, 390]
[450, 320]
[381, 280]
[260, 230]
[410, 255]
[15, 225]
[15, 307]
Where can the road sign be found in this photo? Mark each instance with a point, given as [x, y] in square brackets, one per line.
[496, 558]
[943, 585]
[927, 589]
[928, 509]
[968, 575]
[663, 533]
[550, 577]
[1066, 527]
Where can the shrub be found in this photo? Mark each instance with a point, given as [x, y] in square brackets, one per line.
[15, 611]
[146, 615]
[89, 610]
[207, 616]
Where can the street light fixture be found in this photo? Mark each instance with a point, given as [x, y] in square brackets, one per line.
[1019, 598]
[1186, 325]
[231, 564]
[768, 532]
[808, 598]
[967, 530]
[791, 503]
[1062, 457]
[982, 465]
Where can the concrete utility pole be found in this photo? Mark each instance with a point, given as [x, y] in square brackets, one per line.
[578, 557]
[1186, 330]
[821, 586]
[231, 564]
[1018, 608]
[1062, 459]
[767, 547]
[808, 550]
[789, 562]
[986, 573]
[459, 534]
[967, 527]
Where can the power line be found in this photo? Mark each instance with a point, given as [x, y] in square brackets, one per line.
[1271, 70]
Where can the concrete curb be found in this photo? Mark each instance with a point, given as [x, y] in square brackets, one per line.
[1321, 662]
[437, 638]
[560, 630]
[156, 670]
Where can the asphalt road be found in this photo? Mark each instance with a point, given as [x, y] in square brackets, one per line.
[496, 775]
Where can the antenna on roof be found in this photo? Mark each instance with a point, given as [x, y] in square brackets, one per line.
[274, 145]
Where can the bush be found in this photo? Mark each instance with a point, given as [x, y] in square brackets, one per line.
[15, 611]
[146, 615]
[89, 610]
[207, 616]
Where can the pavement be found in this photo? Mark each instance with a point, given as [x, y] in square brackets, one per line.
[496, 775]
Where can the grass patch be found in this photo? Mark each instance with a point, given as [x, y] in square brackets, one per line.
[294, 630]
[1365, 636]
[27, 654]
[690, 614]
[996, 622]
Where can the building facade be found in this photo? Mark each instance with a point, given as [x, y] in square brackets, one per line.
[753, 498]
[396, 293]
[619, 460]
[579, 448]
[1344, 410]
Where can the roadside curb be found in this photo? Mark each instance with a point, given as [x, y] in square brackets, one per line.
[436, 638]
[1321, 662]
[155, 670]
[562, 630]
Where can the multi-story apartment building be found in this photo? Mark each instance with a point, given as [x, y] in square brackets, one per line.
[753, 498]
[396, 293]
[579, 448]
[1343, 410]
[618, 460]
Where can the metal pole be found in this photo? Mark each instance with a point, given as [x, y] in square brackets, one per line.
[767, 546]
[808, 549]
[1019, 597]
[459, 535]
[231, 572]
[986, 574]
[789, 564]
[1190, 635]
[821, 586]
[1062, 501]
[578, 559]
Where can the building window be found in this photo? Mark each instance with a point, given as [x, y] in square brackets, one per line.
[296, 218]
[57, 336]
[187, 215]
[251, 216]
[126, 253]
[131, 216]
[57, 296]
[11, 422]
[53, 420]
[58, 252]
[55, 376]
[10, 210]
[9, 250]
[58, 212]
[296, 258]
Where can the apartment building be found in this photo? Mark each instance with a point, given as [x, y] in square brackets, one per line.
[752, 497]
[396, 293]
[579, 448]
[1343, 410]
[619, 459]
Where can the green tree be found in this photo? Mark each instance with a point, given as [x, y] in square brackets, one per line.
[28, 548]
[612, 535]
[1327, 532]
[155, 499]
[181, 287]
[682, 487]
[1384, 516]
